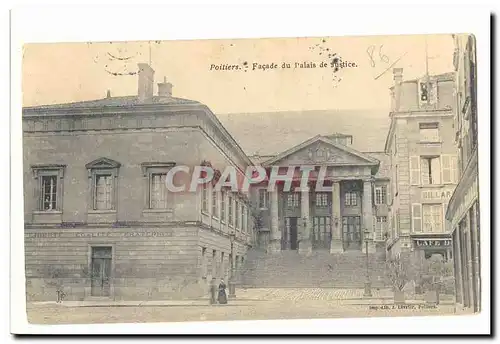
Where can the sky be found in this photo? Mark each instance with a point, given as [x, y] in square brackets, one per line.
[66, 72]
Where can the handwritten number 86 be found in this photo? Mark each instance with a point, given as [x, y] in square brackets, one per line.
[371, 51]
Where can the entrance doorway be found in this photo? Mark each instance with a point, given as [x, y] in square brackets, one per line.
[351, 232]
[289, 237]
[101, 271]
[321, 237]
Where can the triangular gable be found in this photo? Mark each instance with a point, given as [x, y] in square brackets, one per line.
[103, 163]
[321, 150]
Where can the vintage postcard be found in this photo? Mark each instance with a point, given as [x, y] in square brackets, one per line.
[251, 179]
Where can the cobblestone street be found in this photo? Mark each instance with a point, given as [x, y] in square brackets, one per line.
[294, 294]
[251, 304]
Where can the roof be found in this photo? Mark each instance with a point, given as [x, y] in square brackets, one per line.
[318, 138]
[450, 76]
[384, 169]
[113, 102]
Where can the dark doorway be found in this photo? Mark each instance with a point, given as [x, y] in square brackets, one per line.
[321, 237]
[289, 238]
[351, 233]
[101, 271]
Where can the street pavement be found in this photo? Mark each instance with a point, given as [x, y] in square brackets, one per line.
[294, 294]
[250, 304]
[268, 310]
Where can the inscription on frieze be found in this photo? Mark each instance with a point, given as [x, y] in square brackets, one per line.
[48, 235]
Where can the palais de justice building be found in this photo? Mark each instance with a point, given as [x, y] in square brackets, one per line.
[100, 222]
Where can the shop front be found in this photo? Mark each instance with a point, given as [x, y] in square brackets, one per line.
[429, 246]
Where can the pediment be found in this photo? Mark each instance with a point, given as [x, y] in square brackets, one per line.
[322, 151]
[103, 163]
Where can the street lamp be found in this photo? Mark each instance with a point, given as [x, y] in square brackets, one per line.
[232, 288]
[368, 287]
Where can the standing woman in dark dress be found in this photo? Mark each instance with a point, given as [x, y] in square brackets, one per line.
[222, 293]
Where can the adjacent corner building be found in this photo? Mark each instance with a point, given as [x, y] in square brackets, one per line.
[463, 209]
[424, 165]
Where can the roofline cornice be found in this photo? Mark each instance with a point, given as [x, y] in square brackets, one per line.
[106, 110]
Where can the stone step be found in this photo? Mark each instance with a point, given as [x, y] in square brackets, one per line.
[288, 268]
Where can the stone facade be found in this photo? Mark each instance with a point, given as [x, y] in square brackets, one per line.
[423, 163]
[463, 209]
[119, 245]
[307, 219]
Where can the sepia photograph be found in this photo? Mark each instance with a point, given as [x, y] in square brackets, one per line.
[279, 178]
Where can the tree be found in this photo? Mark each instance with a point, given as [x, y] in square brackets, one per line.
[398, 273]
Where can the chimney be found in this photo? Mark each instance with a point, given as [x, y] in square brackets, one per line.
[146, 82]
[165, 88]
[398, 79]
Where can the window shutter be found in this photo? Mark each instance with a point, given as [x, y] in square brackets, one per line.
[446, 168]
[436, 171]
[424, 168]
[415, 170]
[454, 169]
[416, 217]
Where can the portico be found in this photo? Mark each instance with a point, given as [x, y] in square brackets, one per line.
[322, 199]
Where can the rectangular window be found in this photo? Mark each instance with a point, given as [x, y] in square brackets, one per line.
[103, 192]
[49, 193]
[429, 132]
[449, 171]
[263, 199]
[293, 199]
[381, 194]
[223, 206]
[430, 168]
[204, 197]
[237, 215]
[380, 227]
[230, 210]
[415, 170]
[215, 204]
[242, 214]
[48, 190]
[321, 231]
[433, 218]
[416, 217]
[158, 191]
[322, 199]
[214, 263]
[351, 199]
[204, 262]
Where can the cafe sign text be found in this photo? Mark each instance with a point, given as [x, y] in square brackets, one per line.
[432, 243]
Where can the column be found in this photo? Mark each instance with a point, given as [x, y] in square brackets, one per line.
[367, 222]
[275, 235]
[336, 244]
[305, 221]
